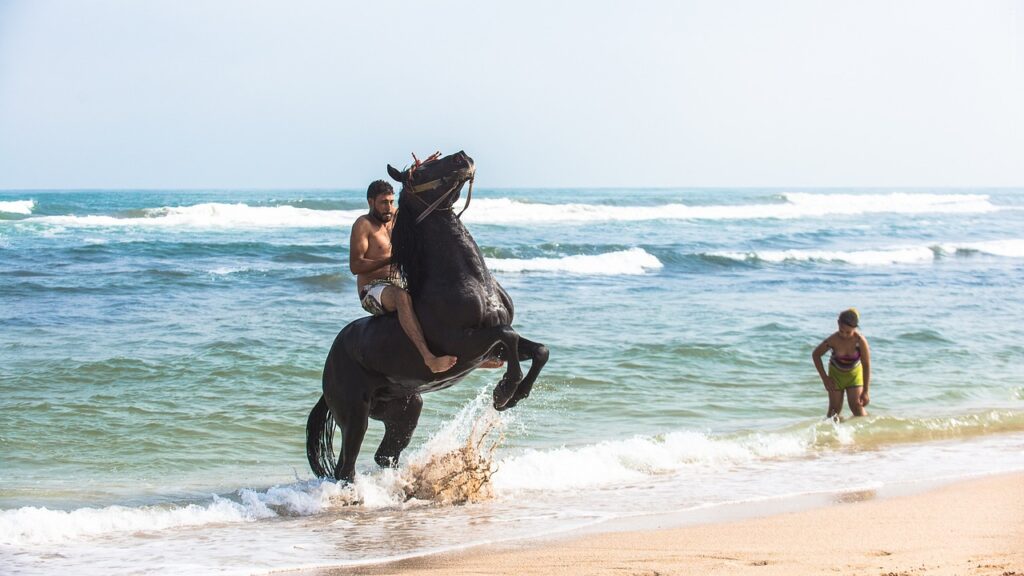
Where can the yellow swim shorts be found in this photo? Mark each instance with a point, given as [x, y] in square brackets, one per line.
[847, 378]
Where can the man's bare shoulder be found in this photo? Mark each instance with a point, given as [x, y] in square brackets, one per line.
[362, 225]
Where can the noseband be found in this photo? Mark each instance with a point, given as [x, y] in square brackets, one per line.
[427, 186]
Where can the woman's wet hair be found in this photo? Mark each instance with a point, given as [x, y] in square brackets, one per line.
[378, 187]
[849, 317]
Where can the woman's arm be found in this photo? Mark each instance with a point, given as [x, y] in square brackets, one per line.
[816, 357]
[865, 359]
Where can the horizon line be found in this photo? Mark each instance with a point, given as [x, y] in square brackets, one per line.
[508, 188]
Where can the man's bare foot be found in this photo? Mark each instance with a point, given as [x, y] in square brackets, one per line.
[440, 363]
[495, 363]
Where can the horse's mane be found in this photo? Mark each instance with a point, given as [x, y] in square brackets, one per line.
[404, 247]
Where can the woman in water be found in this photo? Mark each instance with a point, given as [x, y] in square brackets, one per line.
[849, 367]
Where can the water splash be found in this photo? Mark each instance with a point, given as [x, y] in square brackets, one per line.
[461, 474]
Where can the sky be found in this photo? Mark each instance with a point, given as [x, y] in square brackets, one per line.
[324, 94]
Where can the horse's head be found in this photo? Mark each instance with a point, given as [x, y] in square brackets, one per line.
[434, 183]
[428, 185]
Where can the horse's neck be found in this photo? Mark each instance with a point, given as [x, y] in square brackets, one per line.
[447, 248]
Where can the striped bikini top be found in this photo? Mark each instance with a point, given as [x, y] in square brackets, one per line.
[845, 362]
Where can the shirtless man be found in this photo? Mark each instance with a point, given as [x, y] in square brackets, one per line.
[380, 289]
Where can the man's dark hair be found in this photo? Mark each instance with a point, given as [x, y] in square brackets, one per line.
[377, 188]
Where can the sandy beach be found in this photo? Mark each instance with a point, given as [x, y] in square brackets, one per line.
[975, 527]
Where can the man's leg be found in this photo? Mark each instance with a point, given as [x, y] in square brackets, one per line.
[397, 299]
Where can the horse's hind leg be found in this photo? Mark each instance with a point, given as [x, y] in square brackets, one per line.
[400, 417]
[538, 355]
[506, 388]
[347, 394]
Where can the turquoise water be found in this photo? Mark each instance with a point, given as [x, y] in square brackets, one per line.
[160, 351]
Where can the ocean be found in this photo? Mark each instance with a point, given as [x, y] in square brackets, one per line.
[160, 351]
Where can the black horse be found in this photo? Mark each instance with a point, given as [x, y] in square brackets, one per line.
[374, 371]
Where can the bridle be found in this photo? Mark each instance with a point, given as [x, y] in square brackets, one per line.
[434, 184]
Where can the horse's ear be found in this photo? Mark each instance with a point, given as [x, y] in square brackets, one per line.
[395, 174]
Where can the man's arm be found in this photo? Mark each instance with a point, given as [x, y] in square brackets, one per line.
[359, 243]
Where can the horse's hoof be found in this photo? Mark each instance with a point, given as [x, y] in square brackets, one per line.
[500, 401]
[386, 461]
[502, 395]
[512, 403]
[506, 390]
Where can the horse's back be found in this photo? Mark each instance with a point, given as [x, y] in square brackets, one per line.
[463, 304]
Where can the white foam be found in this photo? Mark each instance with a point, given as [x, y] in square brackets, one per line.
[1011, 248]
[909, 255]
[511, 211]
[377, 489]
[217, 215]
[896, 202]
[17, 206]
[228, 270]
[637, 458]
[796, 205]
[622, 262]
[31, 525]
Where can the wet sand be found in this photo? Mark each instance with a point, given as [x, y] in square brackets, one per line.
[974, 527]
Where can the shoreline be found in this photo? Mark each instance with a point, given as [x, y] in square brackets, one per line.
[953, 526]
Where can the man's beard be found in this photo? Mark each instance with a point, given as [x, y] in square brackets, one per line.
[382, 218]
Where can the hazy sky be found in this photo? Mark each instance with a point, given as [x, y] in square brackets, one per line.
[258, 94]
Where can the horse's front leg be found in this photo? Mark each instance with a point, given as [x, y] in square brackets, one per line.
[538, 355]
[400, 417]
[507, 337]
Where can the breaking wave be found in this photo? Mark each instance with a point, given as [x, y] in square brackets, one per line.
[502, 211]
[213, 215]
[17, 206]
[794, 205]
[458, 464]
[622, 262]
[1013, 248]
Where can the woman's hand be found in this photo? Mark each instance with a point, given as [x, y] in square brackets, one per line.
[830, 383]
[865, 398]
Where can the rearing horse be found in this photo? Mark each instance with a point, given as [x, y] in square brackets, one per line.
[374, 371]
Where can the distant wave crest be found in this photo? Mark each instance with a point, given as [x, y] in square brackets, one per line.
[509, 211]
[796, 205]
[17, 206]
[216, 215]
[1013, 248]
[622, 262]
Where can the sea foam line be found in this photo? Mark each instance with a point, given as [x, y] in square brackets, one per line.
[381, 488]
[513, 211]
[622, 262]
[605, 463]
[796, 205]
[17, 206]
[215, 215]
[1011, 248]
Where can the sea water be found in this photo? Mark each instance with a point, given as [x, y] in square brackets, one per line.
[160, 351]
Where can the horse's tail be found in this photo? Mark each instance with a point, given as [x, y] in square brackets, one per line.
[320, 439]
